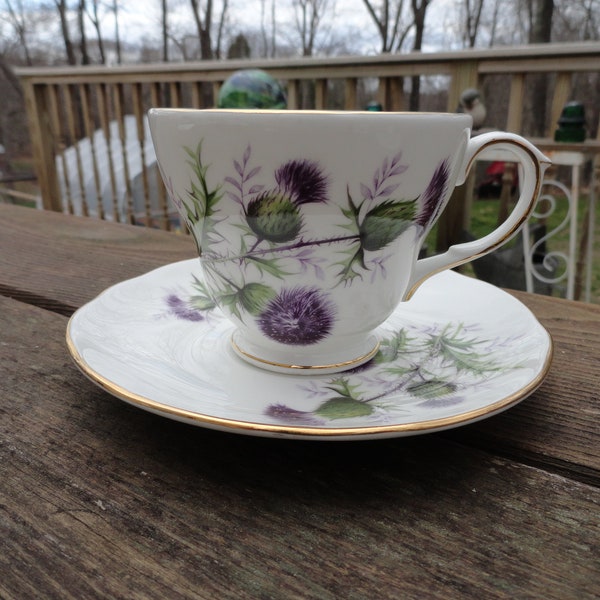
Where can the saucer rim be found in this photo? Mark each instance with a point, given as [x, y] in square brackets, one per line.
[233, 425]
[303, 431]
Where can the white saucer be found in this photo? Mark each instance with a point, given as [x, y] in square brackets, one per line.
[459, 351]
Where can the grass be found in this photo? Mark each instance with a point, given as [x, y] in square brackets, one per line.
[484, 218]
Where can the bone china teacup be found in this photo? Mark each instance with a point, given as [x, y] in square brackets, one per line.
[308, 224]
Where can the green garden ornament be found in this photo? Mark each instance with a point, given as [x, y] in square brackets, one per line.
[571, 125]
[251, 88]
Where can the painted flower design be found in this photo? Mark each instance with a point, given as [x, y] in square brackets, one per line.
[298, 316]
[274, 215]
[182, 309]
[274, 245]
[431, 200]
[428, 367]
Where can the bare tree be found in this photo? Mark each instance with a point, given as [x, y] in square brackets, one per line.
[540, 31]
[269, 46]
[83, 46]
[388, 18]
[540, 20]
[61, 7]
[576, 20]
[471, 18]
[203, 22]
[308, 16]
[18, 20]
[94, 17]
[115, 10]
[494, 23]
[165, 30]
[221, 28]
[419, 9]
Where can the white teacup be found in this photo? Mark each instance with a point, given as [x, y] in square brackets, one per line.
[309, 224]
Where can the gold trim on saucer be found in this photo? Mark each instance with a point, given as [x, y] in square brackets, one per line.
[304, 431]
[340, 365]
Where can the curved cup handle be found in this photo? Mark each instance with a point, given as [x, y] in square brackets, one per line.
[534, 164]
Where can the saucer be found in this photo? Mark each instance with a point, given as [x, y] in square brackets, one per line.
[460, 350]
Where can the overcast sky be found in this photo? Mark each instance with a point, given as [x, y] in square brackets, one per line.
[142, 18]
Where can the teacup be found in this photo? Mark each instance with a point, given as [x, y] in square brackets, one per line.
[309, 224]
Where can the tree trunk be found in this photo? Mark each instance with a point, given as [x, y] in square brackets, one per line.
[165, 32]
[117, 33]
[61, 7]
[85, 57]
[95, 19]
[203, 28]
[419, 10]
[540, 32]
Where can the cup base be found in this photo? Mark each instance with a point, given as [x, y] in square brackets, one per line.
[319, 363]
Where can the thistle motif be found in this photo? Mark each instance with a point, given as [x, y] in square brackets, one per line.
[430, 202]
[274, 215]
[297, 316]
[430, 368]
[272, 239]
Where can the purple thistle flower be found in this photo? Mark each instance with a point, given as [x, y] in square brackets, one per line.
[430, 201]
[181, 310]
[298, 316]
[281, 412]
[303, 181]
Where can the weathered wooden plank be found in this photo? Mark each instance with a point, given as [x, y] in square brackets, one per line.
[89, 255]
[89, 126]
[321, 94]
[558, 425]
[64, 261]
[514, 118]
[350, 93]
[99, 499]
[579, 55]
[104, 112]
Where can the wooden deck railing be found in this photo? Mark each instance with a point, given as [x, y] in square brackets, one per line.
[107, 105]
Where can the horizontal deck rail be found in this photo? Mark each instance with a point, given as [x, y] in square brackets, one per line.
[90, 141]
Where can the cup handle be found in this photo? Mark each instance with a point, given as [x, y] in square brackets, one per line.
[534, 164]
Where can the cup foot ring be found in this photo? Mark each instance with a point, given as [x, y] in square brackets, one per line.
[294, 368]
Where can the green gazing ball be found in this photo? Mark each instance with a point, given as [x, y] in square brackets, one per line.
[251, 88]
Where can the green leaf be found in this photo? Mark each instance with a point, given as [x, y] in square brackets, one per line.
[351, 213]
[349, 266]
[201, 199]
[432, 388]
[254, 296]
[461, 351]
[343, 408]
[266, 265]
[386, 222]
[342, 386]
[392, 347]
[202, 302]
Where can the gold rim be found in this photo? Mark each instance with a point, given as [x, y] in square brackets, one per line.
[340, 365]
[306, 432]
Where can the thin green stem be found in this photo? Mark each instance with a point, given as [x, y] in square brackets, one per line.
[295, 246]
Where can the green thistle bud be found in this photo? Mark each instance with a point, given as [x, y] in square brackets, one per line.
[343, 407]
[274, 217]
[384, 223]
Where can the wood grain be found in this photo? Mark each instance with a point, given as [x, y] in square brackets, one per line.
[100, 499]
[62, 261]
[65, 261]
[556, 427]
